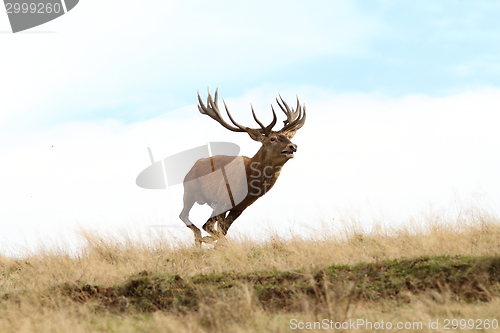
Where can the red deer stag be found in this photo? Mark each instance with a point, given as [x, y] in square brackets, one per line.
[227, 192]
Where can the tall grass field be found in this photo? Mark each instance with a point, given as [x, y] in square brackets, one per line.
[432, 274]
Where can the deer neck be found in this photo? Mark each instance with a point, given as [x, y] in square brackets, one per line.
[265, 159]
[262, 165]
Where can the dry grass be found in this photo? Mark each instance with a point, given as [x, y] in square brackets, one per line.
[43, 291]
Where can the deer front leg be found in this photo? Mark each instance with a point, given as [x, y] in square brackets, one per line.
[209, 227]
[224, 225]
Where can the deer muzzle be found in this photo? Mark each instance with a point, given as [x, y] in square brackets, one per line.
[292, 148]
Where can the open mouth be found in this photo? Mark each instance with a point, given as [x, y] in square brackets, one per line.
[288, 154]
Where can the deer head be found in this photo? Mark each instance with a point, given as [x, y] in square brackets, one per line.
[276, 145]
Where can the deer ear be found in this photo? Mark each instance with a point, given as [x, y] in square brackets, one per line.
[289, 134]
[255, 135]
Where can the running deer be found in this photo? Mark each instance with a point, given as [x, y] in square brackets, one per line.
[217, 180]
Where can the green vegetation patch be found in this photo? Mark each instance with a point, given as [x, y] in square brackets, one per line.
[470, 279]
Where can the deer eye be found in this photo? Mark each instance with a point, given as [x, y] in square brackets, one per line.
[273, 139]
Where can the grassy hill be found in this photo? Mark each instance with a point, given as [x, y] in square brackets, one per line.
[435, 274]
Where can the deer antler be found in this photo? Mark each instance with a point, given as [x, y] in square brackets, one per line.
[212, 110]
[294, 119]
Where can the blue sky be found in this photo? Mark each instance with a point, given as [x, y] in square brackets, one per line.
[131, 61]
[402, 99]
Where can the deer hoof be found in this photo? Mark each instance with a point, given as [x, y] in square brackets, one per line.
[208, 239]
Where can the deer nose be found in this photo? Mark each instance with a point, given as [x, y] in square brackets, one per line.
[293, 147]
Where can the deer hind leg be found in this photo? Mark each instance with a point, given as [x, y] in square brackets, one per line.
[184, 216]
